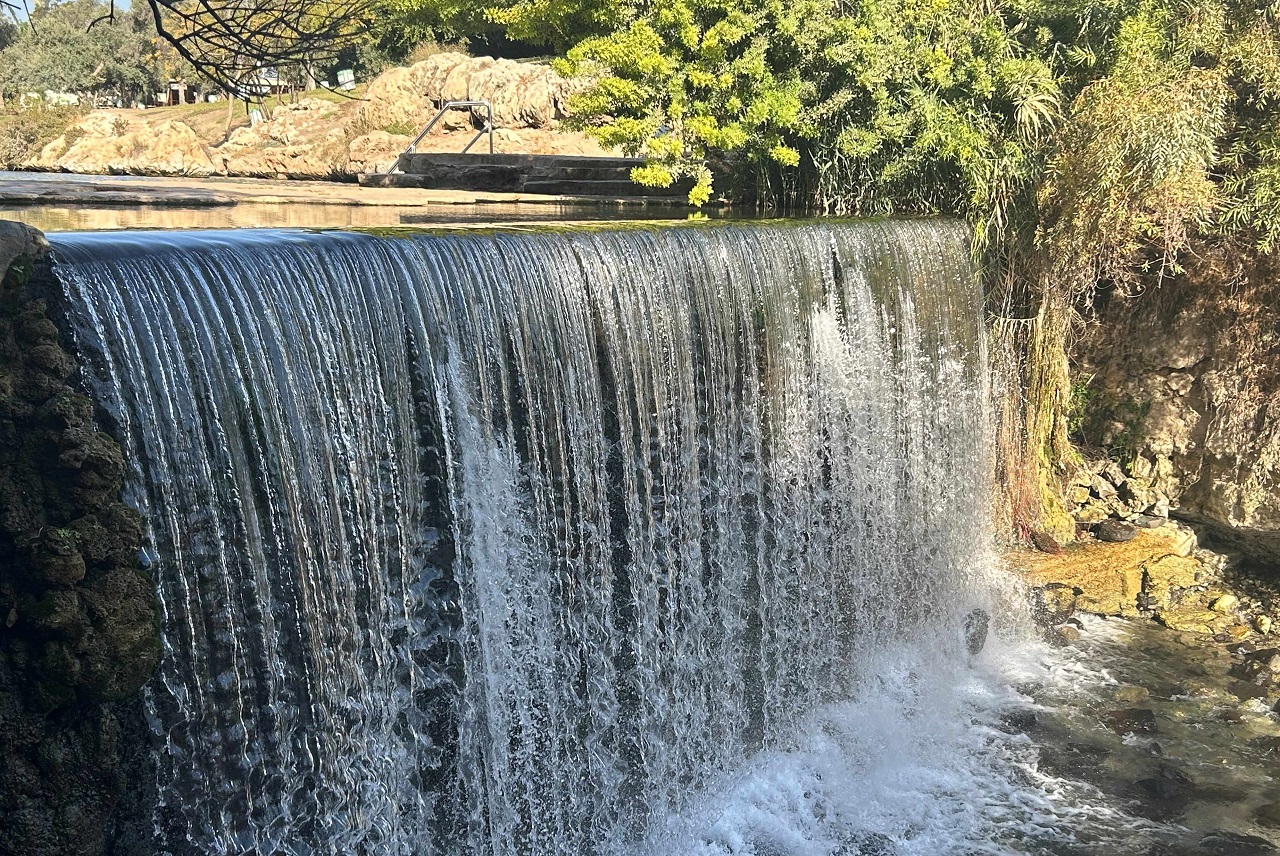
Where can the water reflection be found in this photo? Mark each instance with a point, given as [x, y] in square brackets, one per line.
[55, 218]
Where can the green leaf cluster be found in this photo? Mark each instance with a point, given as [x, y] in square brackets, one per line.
[1104, 133]
[538, 24]
[691, 81]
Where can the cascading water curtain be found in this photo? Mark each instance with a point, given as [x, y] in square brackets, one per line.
[507, 543]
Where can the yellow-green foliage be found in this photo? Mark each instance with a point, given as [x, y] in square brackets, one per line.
[1104, 132]
[1176, 137]
[690, 80]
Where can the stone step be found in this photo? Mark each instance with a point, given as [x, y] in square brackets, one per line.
[579, 173]
[598, 188]
[420, 161]
[552, 175]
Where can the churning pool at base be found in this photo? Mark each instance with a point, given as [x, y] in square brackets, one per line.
[1010, 755]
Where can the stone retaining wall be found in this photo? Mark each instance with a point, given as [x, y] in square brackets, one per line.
[1181, 390]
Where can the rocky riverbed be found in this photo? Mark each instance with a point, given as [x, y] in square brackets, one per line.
[1164, 695]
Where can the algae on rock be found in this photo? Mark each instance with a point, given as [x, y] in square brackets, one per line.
[79, 633]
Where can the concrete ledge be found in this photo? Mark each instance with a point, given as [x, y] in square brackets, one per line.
[546, 175]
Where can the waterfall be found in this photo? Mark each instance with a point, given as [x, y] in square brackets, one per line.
[511, 542]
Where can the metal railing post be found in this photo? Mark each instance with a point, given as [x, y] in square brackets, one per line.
[445, 108]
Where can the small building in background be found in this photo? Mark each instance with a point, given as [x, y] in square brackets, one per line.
[180, 92]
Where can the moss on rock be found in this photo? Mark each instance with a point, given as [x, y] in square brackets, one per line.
[78, 618]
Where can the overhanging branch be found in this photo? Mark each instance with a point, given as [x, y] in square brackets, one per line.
[232, 41]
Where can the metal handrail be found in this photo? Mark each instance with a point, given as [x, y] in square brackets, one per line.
[445, 108]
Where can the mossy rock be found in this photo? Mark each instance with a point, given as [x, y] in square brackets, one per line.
[78, 617]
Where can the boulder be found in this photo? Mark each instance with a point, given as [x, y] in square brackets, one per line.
[109, 142]
[1018, 721]
[1246, 690]
[17, 240]
[433, 71]
[1115, 531]
[1065, 635]
[396, 101]
[1132, 720]
[376, 151]
[1044, 542]
[169, 148]
[975, 630]
[1164, 795]
[304, 139]
[1224, 603]
[522, 94]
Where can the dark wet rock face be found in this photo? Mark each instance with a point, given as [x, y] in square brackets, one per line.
[1052, 604]
[1133, 720]
[1164, 795]
[1115, 531]
[1045, 543]
[975, 630]
[78, 631]
[1018, 721]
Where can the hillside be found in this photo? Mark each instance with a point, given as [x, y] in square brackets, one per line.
[326, 134]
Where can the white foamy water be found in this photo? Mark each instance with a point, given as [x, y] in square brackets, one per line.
[919, 762]
[580, 542]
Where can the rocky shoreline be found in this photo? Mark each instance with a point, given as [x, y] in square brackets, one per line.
[1157, 571]
[1180, 725]
[328, 135]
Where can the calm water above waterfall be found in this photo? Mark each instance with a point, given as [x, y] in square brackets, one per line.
[596, 541]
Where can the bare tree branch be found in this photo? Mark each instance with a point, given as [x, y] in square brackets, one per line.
[12, 8]
[110, 16]
[232, 41]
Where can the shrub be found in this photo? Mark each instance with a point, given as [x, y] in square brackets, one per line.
[24, 132]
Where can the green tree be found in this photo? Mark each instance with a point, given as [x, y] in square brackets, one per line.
[552, 25]
[1088, 141]
[8, 31]
[58, 50]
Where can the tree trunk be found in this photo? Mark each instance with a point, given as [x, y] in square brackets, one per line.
[231, 114]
